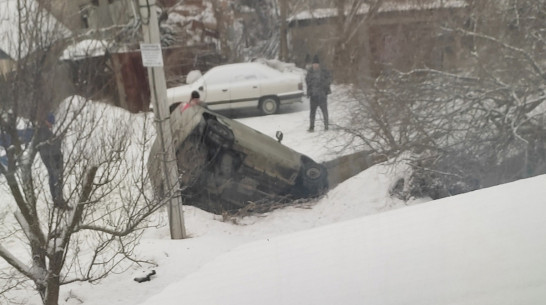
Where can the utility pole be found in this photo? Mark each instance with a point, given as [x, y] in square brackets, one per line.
[152, 58]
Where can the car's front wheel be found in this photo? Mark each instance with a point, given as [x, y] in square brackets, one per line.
[315, 179]
[269, 105]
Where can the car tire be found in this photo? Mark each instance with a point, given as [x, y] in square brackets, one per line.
[219, 134]
[315, 179]
[269, 105]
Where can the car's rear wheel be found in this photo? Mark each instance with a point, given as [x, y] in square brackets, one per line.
[269, 105]
[219, 134]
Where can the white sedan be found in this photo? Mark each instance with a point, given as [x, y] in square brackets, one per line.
[242, 85]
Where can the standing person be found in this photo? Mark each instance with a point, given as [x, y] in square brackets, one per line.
[318, 87]
[49, 148]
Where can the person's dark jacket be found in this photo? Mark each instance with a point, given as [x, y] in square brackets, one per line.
[318, 82]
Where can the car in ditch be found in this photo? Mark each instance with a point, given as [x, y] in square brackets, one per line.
[224, 165]
[242, 85]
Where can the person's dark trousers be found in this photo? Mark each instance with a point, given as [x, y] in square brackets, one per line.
[318, 101]
[52, 157]
[54, 165]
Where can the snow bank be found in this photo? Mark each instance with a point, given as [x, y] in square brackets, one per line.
[483, 248]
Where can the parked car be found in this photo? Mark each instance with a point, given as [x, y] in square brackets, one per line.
[223, 164]
[242, 85]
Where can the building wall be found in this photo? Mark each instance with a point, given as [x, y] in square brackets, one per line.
[306, 41]
[399, 40]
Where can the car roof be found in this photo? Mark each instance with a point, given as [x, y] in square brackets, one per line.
[244, 65]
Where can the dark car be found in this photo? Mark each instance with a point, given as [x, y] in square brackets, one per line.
[224, 165]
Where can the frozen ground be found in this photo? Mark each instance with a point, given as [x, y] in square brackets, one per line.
[354, 246]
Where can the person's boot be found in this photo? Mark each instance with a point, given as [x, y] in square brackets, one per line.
[311, 129]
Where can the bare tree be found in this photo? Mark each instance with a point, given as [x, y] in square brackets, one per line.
[223, 19]
[260, 33]
[283, 55]
[480, 125]
[78, 199]
[353, 19]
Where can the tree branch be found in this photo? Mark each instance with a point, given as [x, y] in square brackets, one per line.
[16, 263]
[525, 54]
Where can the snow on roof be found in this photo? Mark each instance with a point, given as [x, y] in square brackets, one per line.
[386, 7]
[280, 65]
[425, 5]
[86, 48]
[18, 41]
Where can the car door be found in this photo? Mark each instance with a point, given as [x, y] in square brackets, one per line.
[245, 89]
[216, 87]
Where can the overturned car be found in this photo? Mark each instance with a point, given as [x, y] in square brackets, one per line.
[224, 165]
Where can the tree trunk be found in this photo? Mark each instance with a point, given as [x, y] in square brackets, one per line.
[283, 56]
[53, 279]
[340, 54]
[220, 8]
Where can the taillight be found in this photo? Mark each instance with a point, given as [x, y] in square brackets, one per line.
[300, 86]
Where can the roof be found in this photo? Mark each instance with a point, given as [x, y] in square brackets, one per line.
[17, 41]
[389, 6]
[3, 55]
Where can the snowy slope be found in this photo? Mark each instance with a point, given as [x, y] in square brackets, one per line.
[485, 247]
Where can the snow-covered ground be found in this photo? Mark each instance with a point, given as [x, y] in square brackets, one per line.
[487, 247]
[356, 245]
